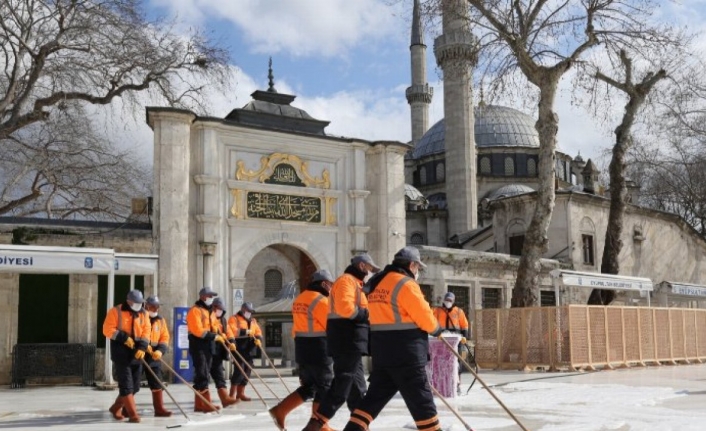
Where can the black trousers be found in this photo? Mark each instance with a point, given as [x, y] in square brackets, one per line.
[413, 385]
[203, 361]
[129, 375]
[218, 374]
[315, 381]
[156, 368]
[238, 378]
[348, 385]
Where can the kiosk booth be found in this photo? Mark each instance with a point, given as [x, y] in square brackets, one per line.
[78, 260]
[563, 279]
[685, 295]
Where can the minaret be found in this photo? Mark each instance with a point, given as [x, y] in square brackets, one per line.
[419, 93]
[456, 54]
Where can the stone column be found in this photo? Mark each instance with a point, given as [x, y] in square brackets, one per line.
[456, 54]
[208, 250]
[172, 135]
[83, 299]
[385, 208]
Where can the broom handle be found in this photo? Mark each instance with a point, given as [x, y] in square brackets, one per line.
[183, 380]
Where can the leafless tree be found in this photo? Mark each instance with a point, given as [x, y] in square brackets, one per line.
[62, 168]
[543, 40]
[59, 55]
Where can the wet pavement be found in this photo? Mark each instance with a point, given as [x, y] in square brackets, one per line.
[661, 398]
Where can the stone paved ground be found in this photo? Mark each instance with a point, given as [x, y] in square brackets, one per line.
[660, 398]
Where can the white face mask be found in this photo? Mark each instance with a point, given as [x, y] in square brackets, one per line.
[208, 301]
[448, 304]
[219, 313]
[153, 313]
[136, 307]
[247, 314]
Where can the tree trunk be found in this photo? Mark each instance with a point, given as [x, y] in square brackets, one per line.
[525, 292]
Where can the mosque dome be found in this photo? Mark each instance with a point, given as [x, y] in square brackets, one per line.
[509, 190]
[412, 194]
[495, 126]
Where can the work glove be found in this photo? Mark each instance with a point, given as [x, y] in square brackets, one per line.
[149, 349]
[139, 354]
[437, 333]
[232, 347]
[157, 355]
[463, 340]
[130, 343]
[219, 339]
[258, 343]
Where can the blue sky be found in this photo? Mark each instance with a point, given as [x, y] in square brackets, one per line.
[348, 61]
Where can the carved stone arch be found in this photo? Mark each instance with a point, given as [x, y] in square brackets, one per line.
[515, 227]
[240, 259]
[587, 225]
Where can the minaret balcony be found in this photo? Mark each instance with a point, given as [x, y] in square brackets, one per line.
[419, 93]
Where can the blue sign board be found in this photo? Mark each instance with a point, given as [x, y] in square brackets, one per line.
[182, 360]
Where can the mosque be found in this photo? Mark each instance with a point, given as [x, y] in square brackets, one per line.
[258, 200]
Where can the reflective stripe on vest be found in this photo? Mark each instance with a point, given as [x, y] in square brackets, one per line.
[310, 321]
[332, 313]
[398, 325]
[205, 322]
[140, 313]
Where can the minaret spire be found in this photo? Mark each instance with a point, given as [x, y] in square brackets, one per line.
[419, 94]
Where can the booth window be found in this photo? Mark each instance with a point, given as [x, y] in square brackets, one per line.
[43, 309]
[490, 297]
[587, 249]
[273, 283]
[273, 334]
[547, 298]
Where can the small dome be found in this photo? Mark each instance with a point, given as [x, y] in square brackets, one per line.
[509, 190]
[495, 126]
[412, 194]
[276, 109]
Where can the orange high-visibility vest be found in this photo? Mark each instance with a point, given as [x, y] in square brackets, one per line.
[137, 327]
[309, 311]
[397, 303]
[346, 297]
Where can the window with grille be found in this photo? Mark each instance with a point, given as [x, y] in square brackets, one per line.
[490, 297]
[587, 249]
[547, 298]
[560, 170]
[485, 166]
[273, 334]
[428, 291]
[417, 238]
[531, 168]
[423, 175]
[273, 283]
[463, 300]
[509, 166]
[440, 172]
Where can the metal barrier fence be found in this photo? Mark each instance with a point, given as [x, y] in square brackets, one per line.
[578, 336]
[53, 360]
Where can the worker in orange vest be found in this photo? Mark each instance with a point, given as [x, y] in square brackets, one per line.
[159, 345]
[347, 330]
[202, 324]
[452, 319]
[247, 338]
[310, 312]
[217, 371]
[400, 324]
[128, 328]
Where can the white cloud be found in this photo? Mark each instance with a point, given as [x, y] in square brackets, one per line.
[299, 27]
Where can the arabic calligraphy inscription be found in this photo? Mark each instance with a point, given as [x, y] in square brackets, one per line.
[273, 206]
